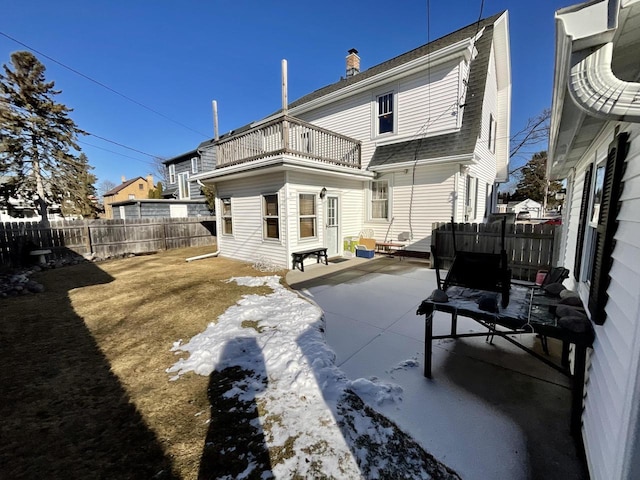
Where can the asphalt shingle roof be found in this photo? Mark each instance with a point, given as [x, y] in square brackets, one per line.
[115, 190]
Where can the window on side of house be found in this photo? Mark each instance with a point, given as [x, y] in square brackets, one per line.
[380, 200]
[183, 185]
[385, 113]
[307, 218]
[140, 186]
[471, 198]
[132, 196]
[493, 125]
[172, 174]
[270, 217]
[227, 219]
[194, 165]
[595, 200]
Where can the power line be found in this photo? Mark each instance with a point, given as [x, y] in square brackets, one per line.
[116, 153]
[103, 85]
[121, 145]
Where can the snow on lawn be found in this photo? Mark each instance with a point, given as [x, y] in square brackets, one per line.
[310, 411]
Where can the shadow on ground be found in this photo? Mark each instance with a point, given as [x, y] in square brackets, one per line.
[235, 446]
[540, 408]
[64, 413]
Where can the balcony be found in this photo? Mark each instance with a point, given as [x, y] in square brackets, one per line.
[288, 136]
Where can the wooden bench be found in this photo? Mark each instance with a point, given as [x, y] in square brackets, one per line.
[298, 257]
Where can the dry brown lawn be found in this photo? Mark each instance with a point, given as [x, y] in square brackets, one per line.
[83, 387]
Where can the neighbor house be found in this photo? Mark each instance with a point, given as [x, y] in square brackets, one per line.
[135, 188]
[595, 147]
[527, 205]
[417, 139]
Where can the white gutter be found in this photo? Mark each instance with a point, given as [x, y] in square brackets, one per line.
[589, 30]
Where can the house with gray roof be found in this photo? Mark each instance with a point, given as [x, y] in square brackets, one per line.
[417, 139]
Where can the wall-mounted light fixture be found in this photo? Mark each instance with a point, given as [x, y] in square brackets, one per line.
[323, 193]
[464, 169]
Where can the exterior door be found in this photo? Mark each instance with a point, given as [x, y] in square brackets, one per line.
[332, 226]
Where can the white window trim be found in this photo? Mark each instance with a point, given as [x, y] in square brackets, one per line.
[314, 216]
[223, 216]
[588, 248]
[493, 127]
[374, 113]
[370, 201]
[187, 185]
[172, 174]
[194, 164]
[265, 217]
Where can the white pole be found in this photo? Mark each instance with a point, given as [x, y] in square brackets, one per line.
[285, 102]
[215, 119]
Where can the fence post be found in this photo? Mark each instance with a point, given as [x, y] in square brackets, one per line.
[87, 234]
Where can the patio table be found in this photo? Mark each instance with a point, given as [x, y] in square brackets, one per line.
[529, 311]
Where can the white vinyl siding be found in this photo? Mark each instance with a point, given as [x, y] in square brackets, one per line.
[610, 419]
[416, 104]
[247, 242]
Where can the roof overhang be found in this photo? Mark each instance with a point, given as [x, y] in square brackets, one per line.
[452, 160]
[588, 91]
[281, 163]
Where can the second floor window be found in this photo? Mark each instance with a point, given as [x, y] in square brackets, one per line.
[172, 173]
[270, 216]
[183, 185]
[385, 113]
[194, 165]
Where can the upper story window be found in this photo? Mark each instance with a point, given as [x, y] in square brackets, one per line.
[227, 220]
[380, 200]
[492, 134]
[271, 224]
[194, 165]
[307, 215]
[183, 185]
[385, 120]
[172, 173]
[140, 186]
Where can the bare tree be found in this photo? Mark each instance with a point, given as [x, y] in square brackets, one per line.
[534, 132]
[104, 186]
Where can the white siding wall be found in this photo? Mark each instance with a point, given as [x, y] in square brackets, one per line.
[485, 170]
[351, 201]
[355, 116]
[610, 419]
[247, 241]
[433, 190]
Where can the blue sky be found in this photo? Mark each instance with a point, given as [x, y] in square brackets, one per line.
[175, 58]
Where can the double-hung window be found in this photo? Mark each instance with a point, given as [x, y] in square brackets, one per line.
[307, 215]
[380, 200]
[172, 173]
[385, 113]
[183, 185]
[271, 223]
[194, 165]
[227, 220]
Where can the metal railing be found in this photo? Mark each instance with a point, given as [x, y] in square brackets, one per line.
[288, 135]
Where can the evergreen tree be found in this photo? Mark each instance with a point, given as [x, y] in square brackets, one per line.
[79, 193]
[533, 182]
[37, 138]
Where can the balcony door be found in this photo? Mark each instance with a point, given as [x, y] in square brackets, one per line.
[332, 226]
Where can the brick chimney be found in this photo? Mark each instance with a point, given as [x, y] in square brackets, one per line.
[353, 63]
[150, 180]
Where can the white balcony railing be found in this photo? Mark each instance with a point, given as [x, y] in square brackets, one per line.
[288, 135]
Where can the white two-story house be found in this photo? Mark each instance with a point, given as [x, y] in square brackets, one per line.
[417, 139]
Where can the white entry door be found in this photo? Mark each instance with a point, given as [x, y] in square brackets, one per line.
[332, 226]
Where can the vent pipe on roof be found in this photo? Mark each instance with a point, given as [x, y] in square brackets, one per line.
[353, 63]
[214, 104]
[285, 101]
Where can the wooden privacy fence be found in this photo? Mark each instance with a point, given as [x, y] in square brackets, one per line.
[529, 247]
[104, 238]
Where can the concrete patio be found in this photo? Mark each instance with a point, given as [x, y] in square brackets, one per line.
[491, 411]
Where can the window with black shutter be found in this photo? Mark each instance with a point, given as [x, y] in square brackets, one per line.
[606, 227]
[584, 208]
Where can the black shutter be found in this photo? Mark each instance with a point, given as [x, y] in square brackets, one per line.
[607, 226]
[584, 208]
